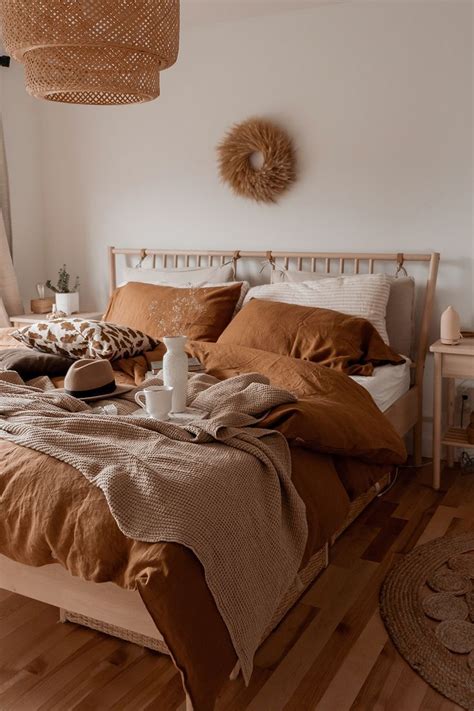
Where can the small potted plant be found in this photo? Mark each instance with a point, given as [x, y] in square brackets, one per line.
[66, 296]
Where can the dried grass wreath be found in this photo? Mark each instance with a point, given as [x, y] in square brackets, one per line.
[250, 138]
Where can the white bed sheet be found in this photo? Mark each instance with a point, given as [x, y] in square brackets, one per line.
[387, 384]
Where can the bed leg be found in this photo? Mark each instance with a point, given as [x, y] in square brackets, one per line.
[62, 615]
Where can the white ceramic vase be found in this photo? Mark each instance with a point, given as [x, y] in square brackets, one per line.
[175, 370]
[69, 303]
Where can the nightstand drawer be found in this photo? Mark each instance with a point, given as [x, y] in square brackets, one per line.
[458, 366]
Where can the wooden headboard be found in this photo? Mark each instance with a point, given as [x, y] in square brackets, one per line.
[321, 262]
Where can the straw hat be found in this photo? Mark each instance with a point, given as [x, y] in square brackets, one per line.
[90, 379]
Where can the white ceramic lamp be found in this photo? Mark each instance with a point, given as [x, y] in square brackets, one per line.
[450, 331]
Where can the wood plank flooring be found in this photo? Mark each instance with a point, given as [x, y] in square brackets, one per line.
[331, 653]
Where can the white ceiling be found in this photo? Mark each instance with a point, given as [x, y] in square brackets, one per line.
[199, 12]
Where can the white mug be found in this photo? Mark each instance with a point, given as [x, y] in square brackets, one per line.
[158, 399]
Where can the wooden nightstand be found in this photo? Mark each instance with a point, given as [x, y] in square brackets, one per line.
[450, 362]
[29, 319]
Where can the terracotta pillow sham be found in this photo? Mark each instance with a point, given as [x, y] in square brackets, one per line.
[347, 343]
[199, 313]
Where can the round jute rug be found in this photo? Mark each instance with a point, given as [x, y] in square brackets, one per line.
[421, 627]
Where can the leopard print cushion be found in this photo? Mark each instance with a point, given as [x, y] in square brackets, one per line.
[79, 338]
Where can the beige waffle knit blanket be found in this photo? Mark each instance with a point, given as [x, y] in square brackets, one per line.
[219, 485]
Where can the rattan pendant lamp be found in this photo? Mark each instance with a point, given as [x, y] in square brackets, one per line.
[92, 51]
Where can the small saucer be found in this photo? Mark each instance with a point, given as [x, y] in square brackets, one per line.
[146, 415]
[175, 418]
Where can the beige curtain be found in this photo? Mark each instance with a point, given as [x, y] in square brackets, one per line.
[4, 190]
[10, 301]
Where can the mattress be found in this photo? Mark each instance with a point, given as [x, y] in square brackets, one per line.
[387, 384]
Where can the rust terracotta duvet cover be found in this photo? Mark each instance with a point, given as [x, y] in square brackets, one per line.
[340, 444]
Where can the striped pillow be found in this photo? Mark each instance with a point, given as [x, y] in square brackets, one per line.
[364, 295]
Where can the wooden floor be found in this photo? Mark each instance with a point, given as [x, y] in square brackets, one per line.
[331, 653]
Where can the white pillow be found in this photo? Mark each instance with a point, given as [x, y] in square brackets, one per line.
[364, 295]
[188, 276]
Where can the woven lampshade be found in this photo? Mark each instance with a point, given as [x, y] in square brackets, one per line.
[92, 51]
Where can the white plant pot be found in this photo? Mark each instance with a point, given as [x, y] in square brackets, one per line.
[69, 303]
[175, 370]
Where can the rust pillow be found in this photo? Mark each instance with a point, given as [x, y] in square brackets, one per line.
[347, 343]
[201, 313]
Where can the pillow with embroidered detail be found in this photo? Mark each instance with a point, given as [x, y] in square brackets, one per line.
[81, 338]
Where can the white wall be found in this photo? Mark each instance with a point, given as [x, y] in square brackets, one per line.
[376, 95]
[20, 115]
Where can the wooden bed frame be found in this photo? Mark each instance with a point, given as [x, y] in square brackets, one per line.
[110, 609]
[407, 412]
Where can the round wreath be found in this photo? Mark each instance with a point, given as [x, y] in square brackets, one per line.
[253, 137]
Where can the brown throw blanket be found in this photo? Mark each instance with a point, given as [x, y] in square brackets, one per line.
[215, 485]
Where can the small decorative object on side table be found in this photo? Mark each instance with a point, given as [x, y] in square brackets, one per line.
[43, 304]
[66, 296]
[450, 327]
[29, 319]
[450, 362]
